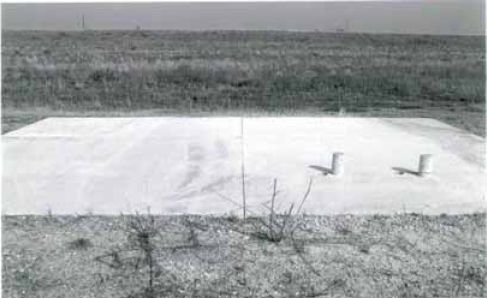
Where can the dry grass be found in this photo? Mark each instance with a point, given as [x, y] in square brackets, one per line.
[408, 255]
[190, 73]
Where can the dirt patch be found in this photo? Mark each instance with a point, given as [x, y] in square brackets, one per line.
[409, 255]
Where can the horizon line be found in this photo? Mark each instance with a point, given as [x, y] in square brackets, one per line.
[239, 30]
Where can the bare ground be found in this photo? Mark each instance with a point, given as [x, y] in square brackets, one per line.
[404, 255]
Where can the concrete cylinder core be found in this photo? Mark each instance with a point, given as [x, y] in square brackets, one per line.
[337, 166]
[425, 164]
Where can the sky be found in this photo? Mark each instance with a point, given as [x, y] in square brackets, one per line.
[451, 17]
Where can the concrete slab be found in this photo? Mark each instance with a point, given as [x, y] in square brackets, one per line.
[193, 165]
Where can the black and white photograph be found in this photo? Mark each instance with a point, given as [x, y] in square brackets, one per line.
[243, 149]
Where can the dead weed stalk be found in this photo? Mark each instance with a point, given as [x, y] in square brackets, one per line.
[278, 227]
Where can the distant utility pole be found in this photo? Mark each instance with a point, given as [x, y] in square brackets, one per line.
[83, 22]
[345, 29]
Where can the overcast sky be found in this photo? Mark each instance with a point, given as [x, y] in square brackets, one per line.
[420, 17]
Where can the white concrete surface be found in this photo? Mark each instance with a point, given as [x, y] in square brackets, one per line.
[193, 165]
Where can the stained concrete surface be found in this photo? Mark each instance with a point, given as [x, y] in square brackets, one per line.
[194, 165]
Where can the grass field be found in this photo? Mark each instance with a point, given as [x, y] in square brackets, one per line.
[140, 73]
[407, 255]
